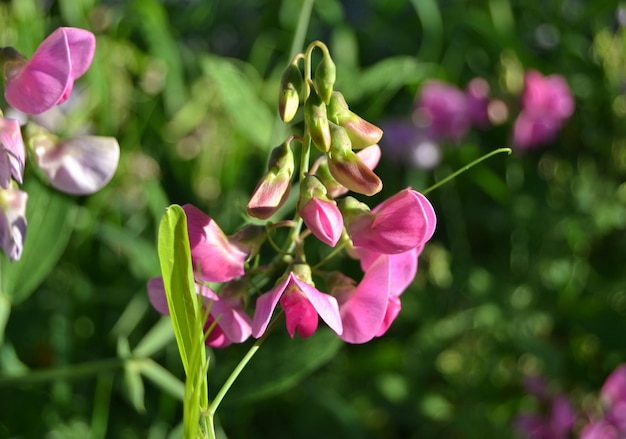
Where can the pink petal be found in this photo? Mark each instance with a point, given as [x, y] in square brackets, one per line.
[324, 220]
[363, 312]
[79, 165]
[392, 311]
[13, 152]
[300, 314]
[325, 305]
[265, 305]
[233, 321]
[82, 46]
[156, 295]
[614, 388]
[39, 84]
[217, 258]
[431, 217]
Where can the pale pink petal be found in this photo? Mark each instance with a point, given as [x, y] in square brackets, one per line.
[363, 312]
[212, 253]
[13, 153]
[156, 295]
[13, 222]
[614, 388]
[325, 305]
[39, 84]
[79, 165]
[265, 305]
[599, 430]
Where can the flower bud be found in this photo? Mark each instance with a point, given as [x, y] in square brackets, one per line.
[319, 212]
[290, 89]
[361, 132]
[273, 189]
[325, 76]
[347, 168]
[316, 121]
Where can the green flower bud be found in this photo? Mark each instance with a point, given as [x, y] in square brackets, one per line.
[325, 76]
[362, 133]
[349, 170]
[290, 89]
[317, 121]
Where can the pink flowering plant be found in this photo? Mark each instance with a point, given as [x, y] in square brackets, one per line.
[221, 289]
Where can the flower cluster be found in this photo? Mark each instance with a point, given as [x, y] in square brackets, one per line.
[560, 419]
[338, 153]
[443, 113]
[77, 165]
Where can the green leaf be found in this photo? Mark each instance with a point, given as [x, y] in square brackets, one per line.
[157, 338]
[134, 385]
[50, 216]
[240, 99]
[163, 378]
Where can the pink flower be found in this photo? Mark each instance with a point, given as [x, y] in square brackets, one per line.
[217, 257]
[546, 104]
[79, 165]
[12, 222]
[302, 304]
[443, 110]
[557, 424]
[11, 152]
[401, 223]
[319, 212]
[233, 324]
[47, 79]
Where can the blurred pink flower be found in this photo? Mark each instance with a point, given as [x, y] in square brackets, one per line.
[233, 324]
[442, 109]
[613, 399]
[12, 154]
[216, 257]
[36, 85]
[302, 304]
[556, 424]
[546, 104]
[13, 222]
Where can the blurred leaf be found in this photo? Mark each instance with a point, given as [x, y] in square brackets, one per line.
[131, 316]
[281, 364]
[50, 216]
[141, 254]
[134, 385]
[240, 99]
[159, 336]
[163, 378]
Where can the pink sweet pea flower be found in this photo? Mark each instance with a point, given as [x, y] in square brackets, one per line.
[547, 103]
[233, 324]
[302, 304]
[12, 222]
[217, 257]
[11, 152]
[47, 79]
[403, 222]
[79, 165]
[319, 212]
[443, 110]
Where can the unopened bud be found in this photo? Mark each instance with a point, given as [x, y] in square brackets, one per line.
[290, 89]
[319, 212]
[361, 132]
[273, 189]
[349, 170]
[325, 76]
[317, 121]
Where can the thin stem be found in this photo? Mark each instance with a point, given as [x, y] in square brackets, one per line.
[338, 248]
[301, 27]
[237, 370]
[465, 168]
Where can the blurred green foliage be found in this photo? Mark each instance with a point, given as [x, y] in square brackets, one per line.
[525, 273]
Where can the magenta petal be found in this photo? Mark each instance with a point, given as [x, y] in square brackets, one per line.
[265, 305]
[599, 430]
[39, 84]
[13, 154]
[300, 314]
[325, 305]
[156, 295]
[362, 313]
[392, 311]
[79, 165]
[217, 258]
[232, 319]
[614, 387]
[13, 222]
[431, 217]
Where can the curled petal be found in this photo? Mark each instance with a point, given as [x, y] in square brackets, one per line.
[13, 222]
[392, 311]
[232, 319]
[324, 220]
[12, 152]
[216, 257]
[80, 165]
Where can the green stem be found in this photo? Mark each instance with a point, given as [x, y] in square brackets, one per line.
[465, 168]
[237, 370]
[301, 27]
[67, 372]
